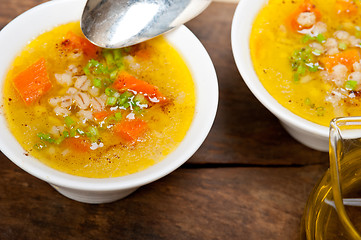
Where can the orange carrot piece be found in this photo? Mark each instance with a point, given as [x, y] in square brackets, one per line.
[77, 42]
[100, 116]
[306, 6]
[346, 8]
[78, 144]
[143, 53]
[130, 129]
[347, 58]
[33, 82]
[126, 81]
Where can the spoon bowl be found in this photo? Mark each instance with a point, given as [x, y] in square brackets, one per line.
[122, 23]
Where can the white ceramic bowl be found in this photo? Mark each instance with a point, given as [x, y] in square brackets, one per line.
[310, 134]
[44, 17]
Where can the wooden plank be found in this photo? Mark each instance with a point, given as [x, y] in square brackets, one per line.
[216, 203]
[11, 9]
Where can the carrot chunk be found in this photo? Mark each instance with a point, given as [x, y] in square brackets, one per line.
[130, 129]
[347, 58]
[306, 6]
[77, 42]
[80, 144]
[126, 81]
[33, 82]
[100, 116]
[143, 53]
[346, 8]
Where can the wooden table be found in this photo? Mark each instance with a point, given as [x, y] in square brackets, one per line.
[249, 180]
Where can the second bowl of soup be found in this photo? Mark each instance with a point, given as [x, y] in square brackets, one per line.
[301, 59]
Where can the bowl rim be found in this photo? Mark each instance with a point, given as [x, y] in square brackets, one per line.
[242, 23]
[205, 79]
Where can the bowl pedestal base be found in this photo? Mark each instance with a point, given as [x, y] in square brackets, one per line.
[94, 197]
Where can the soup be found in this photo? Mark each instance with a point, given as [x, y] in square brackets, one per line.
[96, 112]
[307, 56]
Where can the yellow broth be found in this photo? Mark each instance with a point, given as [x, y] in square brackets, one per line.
[272, 45]
[167, 123]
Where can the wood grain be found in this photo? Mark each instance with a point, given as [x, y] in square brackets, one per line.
[249, 180]
[198, 203]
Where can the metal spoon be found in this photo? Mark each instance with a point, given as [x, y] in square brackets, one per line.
[122, 23]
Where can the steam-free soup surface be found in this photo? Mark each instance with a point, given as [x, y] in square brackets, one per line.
[94, 112]
[307, 55]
